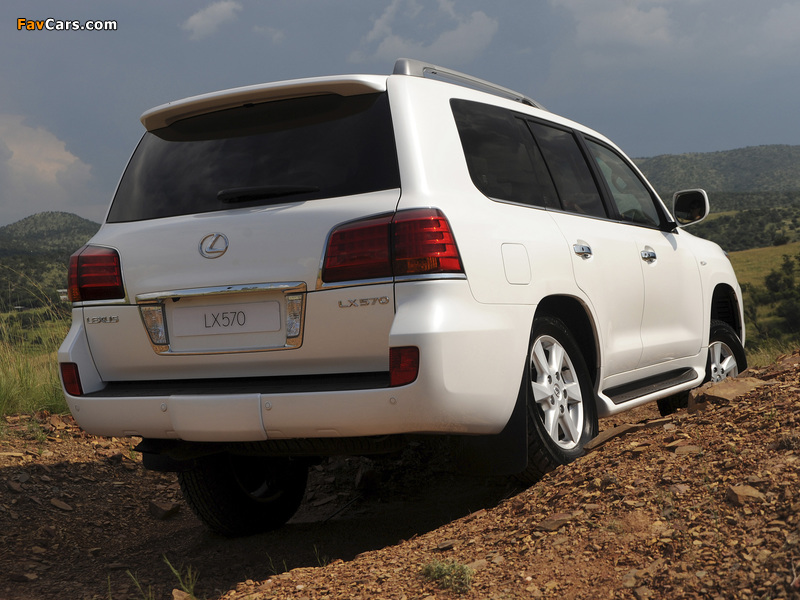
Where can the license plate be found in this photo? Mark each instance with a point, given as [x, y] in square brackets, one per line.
[253, 317]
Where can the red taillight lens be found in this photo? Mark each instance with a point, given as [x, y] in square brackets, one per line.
[71, 379]
[95, 274]
[424, 243]
[412, 242]
[403, 365]
[358, 250]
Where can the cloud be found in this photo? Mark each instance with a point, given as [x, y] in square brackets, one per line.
[39, 174]
[777, 35]
[464, 36]
[206, 21]
[619, 22]
[275, 36]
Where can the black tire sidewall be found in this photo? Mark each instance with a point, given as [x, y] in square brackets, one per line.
[214, 493]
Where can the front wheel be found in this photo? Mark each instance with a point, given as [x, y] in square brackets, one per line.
[561, 410]
[239, 495]
[726, 357]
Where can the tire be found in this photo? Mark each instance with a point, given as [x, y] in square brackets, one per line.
[240, 495]
[558, 392]
[670, 404]
[726, 357]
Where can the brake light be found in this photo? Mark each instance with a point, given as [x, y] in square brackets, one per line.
[411, 242]
[424, 243]
[403, 365]
[71, 379]
[359, 250]
[95, 274]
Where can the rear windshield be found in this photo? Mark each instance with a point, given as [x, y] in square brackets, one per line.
[283, 151]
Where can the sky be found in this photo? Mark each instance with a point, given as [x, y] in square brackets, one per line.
[656, 76]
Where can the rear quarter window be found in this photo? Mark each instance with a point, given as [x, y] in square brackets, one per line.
[502, 159]
[315, 147]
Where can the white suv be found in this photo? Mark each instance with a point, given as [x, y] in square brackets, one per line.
[341, 264]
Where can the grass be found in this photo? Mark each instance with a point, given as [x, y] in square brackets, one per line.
[186, 582]
[29, 377]
[449, 575]
[768, 351]
[752, 265]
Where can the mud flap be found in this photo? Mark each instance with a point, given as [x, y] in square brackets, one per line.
[505, 453]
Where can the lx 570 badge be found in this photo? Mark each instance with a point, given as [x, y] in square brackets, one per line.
[363, 302]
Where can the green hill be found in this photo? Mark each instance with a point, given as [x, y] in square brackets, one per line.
[756, 169]
[757, 189]
[33, 257]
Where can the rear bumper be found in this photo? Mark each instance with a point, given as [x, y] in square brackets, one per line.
[471, 361]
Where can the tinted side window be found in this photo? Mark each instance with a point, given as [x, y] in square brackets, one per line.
[312, 148]
[503, 161]
[574, 182]
[632, 199]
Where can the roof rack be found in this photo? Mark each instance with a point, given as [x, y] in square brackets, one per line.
[417, 68]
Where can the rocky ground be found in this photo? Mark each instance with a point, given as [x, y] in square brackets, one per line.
[702, 504]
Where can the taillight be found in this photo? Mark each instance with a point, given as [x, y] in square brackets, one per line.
[412, 242]
[71, 379]
[403, 365]
[424, 243]
[95, 274]
[359, 250]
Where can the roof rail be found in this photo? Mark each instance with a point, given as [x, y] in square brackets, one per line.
[417, 68]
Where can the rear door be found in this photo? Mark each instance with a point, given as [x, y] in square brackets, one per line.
[605, 264]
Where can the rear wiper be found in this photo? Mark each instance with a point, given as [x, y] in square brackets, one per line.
[264, 192]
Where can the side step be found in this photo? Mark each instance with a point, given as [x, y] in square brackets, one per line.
[630, 391]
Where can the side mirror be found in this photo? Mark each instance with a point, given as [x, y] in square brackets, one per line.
[690, 206]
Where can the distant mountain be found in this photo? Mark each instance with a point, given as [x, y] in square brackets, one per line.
[757, 169]
[758, 189]
[33, 257]
[58, 232]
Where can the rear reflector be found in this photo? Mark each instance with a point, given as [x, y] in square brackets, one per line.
[411, 242]
[95, 274]
[403, 365]
[71, 379]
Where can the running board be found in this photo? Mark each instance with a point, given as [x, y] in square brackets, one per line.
[630, 391]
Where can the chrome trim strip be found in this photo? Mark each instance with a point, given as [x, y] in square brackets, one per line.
[287, 287]
[430, 277]
[114, 302]
[401, 279]
[356, 283]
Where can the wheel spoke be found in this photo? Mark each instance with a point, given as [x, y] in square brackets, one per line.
[541, 392]
[570, 427]
[728, 367]
[539, 359]
[573, 390]
[551, 423]
[716, 351]
[557, 355]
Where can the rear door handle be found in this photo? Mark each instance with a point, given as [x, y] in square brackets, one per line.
[582, 250]
[648, 256]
